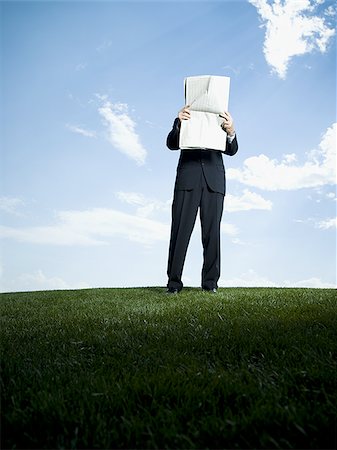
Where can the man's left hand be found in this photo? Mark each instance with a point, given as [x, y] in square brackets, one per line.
[228, 124]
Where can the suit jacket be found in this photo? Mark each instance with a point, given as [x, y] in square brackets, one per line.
[192, 162]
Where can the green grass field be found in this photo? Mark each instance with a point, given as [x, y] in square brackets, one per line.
[135, 368]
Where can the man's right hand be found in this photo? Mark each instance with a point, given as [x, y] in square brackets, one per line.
[184, 113]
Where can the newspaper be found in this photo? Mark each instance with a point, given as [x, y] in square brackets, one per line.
[207, 97]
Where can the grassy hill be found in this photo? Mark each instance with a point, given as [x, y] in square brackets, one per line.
[135, 368]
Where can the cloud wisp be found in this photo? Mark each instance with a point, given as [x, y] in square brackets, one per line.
[146, 207]
[91, 227]
[323, 224]
[292, 29]
[318, 170]
[11, 205]
[327, 224]
[229, 229]
[121, 131]
[252, 279]
[246, 202]
[97, 226]
[38, 281]
[81, 130]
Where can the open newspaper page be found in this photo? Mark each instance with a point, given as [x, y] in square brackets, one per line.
[208, 98]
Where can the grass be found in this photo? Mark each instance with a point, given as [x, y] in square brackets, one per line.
[135, 368]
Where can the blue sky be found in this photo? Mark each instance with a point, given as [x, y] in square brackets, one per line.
[89, 91]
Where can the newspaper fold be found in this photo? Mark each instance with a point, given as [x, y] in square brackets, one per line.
[207, 97]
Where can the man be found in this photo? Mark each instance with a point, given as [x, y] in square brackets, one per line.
[200, 183]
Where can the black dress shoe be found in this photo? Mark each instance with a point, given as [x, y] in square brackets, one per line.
[213, 290]
[172, 291]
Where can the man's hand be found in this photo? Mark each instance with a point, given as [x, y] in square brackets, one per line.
[184, 113]
[228, 124]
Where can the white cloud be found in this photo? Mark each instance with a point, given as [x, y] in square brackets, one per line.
[10, 205]
[145, 206]
[104, 45]
[38, 281]
[58, 234]
[91, 227]
[319, 169]
[148, 206]
[330, 11]
[313, 282]
[229, 229]
[319, 224]
[247, 279]
[253, 279]
[292, 29]
[81, 66]
[328, 223]
[80, 130]
[247, 201]
[235, 70]
[121, 130]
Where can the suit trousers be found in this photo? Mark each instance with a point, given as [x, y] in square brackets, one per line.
[184, 212]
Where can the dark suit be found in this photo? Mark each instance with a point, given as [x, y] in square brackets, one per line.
[200, 182]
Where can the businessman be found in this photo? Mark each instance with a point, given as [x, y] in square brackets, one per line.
[200, 183]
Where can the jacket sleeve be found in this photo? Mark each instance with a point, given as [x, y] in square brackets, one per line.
[231, 147]
[172, 140]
